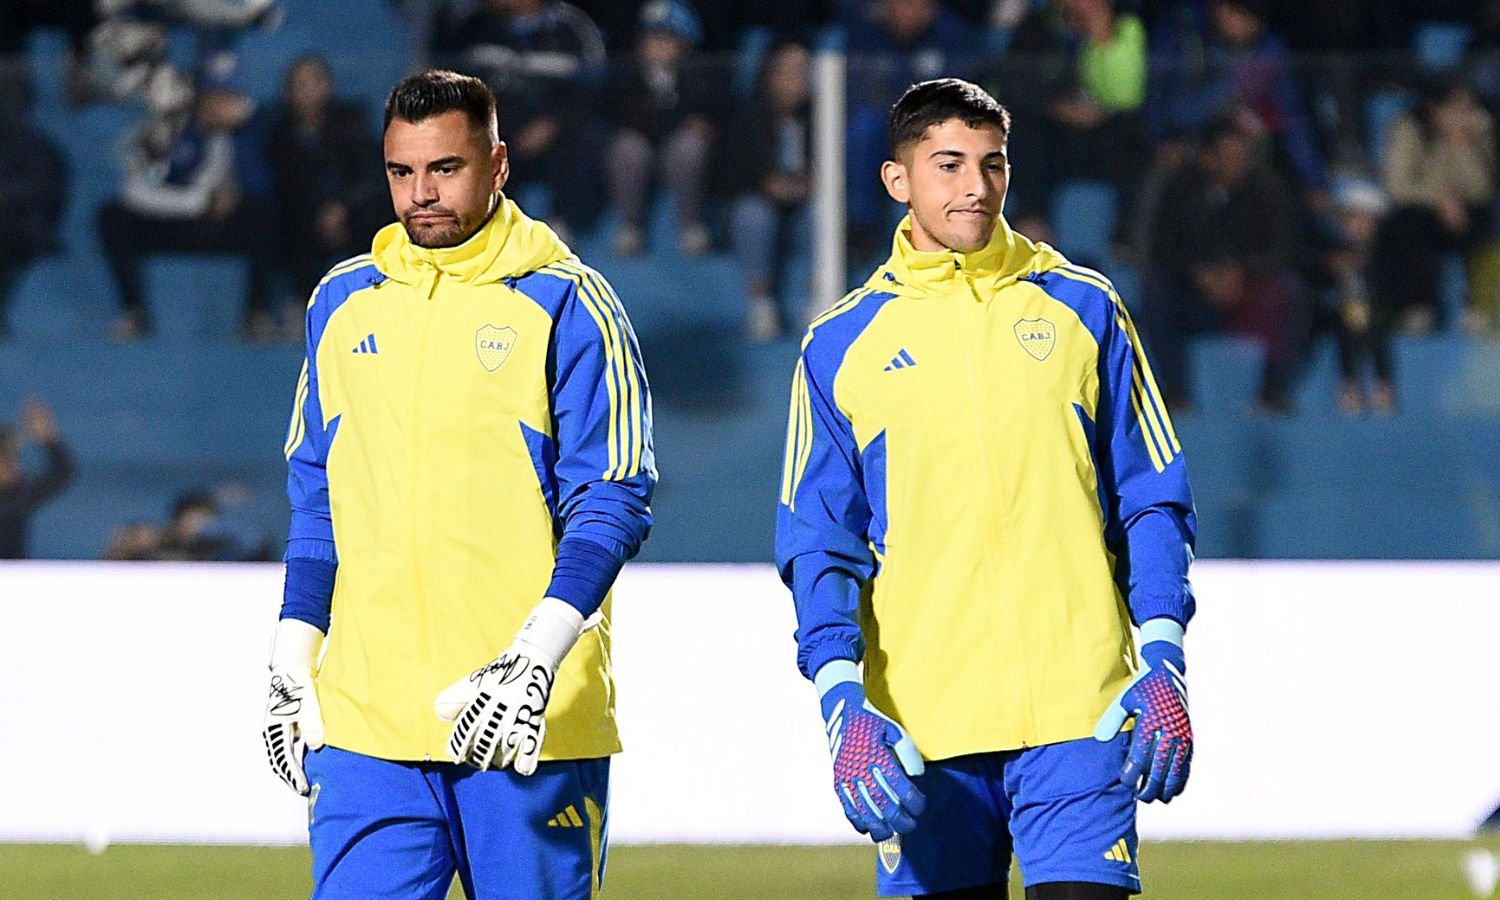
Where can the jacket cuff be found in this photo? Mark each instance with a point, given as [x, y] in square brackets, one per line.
[1148, 608]
[828, 650]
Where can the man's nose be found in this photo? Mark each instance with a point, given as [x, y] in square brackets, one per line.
[424, 190]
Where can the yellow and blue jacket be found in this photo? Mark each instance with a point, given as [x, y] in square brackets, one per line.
[461, 410]
[981, 490]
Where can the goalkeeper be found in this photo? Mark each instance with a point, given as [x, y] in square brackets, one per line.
[470, 466]
[982, 493]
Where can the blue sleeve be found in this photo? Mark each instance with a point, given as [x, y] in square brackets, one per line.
[308, 593]
[601, 418]
[823, 519]
[1150, 524]
[306, 450]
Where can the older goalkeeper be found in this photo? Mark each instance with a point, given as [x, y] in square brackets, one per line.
[470, 465]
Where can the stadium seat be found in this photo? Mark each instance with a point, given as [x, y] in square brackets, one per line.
[1381, 109]
[1440, 46]
[1083, 218]
[196, 297]
[754, 44]
[1224, 373]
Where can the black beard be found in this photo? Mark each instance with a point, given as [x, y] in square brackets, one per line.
[441, 245]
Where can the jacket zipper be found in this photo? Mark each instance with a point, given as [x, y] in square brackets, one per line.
[417, 440]
[975, 339]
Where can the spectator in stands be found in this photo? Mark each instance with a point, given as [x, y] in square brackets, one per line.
[1364, 319]
[22, 492]
[1075, 71]
[33, 189]
[325, 172]
[892, 45]
[545, 61]
[1225, 61]
[659, 101]
[134, 542]
[1221, 255]
[193, 184]
[126, 41]
[1439, 170]
[201, 531]
[767, 166]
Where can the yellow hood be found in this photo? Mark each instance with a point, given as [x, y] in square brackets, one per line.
[1008, 256]
[511, 243]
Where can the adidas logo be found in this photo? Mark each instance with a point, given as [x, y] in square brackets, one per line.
[568, 818]
[367, 345]
[901, 360]
[1118, 853]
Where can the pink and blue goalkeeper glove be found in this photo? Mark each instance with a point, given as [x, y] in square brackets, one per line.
[873, 757]
[1161, 750]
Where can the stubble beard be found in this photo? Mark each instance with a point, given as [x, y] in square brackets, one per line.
[444, 236]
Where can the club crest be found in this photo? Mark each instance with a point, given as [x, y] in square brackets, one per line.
[494, 345]
[1037, 337]
[890, 853]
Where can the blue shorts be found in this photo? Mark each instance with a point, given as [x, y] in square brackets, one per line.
[1061, 809]
[402, 829]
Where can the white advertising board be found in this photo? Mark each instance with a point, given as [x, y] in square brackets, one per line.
[1328, 699]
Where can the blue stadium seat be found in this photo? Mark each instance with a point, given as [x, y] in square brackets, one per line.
[831, 38]
[196, 297]
[1381, 109]
[58, 300]
[1225, 373]
[1083, 218]
[1440, 46]
[754, 44]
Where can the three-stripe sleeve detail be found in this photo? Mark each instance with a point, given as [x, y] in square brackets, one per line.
[622, 381]
[297, 430]
[1145, 398]
[799, 430]
[799, 437]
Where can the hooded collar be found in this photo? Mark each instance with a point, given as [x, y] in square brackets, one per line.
[510, 244]
[1008, 256]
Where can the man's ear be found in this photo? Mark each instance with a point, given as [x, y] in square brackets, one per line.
[893, 174]
[501, 157]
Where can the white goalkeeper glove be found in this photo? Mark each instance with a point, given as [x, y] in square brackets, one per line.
[501, 708]
[294, 722]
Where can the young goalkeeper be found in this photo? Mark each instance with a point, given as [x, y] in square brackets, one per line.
[470, 465]
[982, 494]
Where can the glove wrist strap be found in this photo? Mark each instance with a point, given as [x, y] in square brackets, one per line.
[834, 673]
[1162, 629]
[552, 629]
[296, 645]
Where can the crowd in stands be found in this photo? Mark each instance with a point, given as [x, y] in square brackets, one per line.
[204, 526]
[1263, 184]
[1276, 169]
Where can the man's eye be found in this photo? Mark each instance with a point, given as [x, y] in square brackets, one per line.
[948, 167]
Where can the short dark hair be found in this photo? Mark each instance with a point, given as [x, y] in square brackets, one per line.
[437, 91]
[940, 100]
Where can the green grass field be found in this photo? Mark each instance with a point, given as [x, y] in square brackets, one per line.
[1332, 870]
